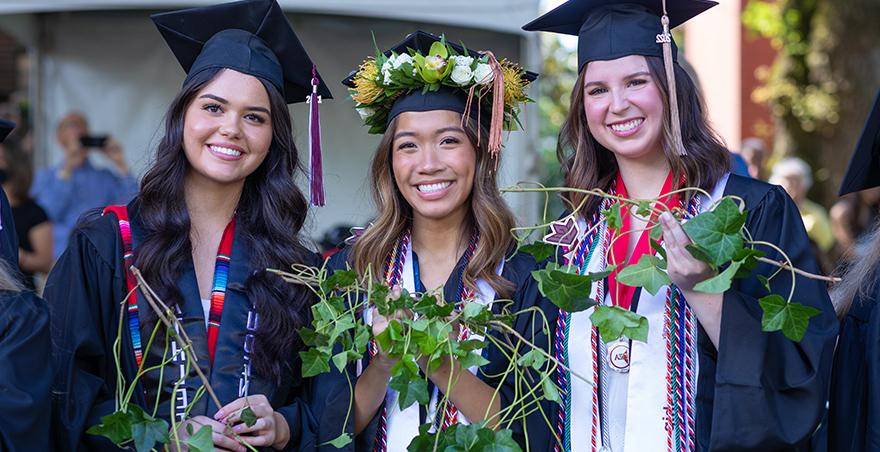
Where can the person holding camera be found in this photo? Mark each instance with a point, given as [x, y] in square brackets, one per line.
[74, 186]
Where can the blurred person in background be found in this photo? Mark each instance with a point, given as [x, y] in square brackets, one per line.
[31, 222]
[796, 177]
[755, 153]
[851, 217]
[74, 186]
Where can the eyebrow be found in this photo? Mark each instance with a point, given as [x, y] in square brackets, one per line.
[399, 135]
[630, 76]
[226, 102]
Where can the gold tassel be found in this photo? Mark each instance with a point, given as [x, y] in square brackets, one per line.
[665, 39]
[497, 123]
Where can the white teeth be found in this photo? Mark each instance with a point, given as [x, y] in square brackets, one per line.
[225, 151]
[430, 188]
[627, 126]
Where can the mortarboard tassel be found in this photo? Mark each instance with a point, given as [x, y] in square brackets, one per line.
[665, 39]
[496, 124]
[316, 173]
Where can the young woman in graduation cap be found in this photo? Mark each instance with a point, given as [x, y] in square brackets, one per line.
[441, 223]
[707, 378]
[854, 402]
[24, 340]
[217, 207]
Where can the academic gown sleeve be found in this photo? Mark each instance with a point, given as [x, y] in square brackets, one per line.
[84, 291]
[25, 376]
[769, 392]
[854, 403]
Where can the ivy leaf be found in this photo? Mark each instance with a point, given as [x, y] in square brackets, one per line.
[551, 393]
[202, 441]
[503, 442]
[700, 254]
[533, 358]
[248, 416]
[765, 281]
[361, 338]
[340, 360]
[339, 279]
[340, 441]
[314, 362]
[645, 273]
[425, 440]
[612, 216]
[115, 426]
[539, 250]
[146, 430]
[472, 360]
[656, 232]
[644, 209]
[568, 291]
[312, 339]
[718, 232]
[409, 390]
[720, 282]
[614, 322]
[792, 318]
[659, 250]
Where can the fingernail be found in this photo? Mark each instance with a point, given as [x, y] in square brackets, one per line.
[238, 428]
[220, 415]
[666, 216]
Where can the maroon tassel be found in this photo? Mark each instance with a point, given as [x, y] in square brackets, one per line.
[316, 172]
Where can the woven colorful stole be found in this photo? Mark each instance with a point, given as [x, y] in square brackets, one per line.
[218, 294]
[393, 270]
[121, 213]
[218, 291]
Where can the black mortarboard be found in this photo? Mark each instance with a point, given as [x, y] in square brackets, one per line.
[864, 166]
[8, 237]
[611, 29]
[446, 98]
[249, 36]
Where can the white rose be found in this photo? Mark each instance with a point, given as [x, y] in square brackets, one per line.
[483, 74]
[462, 75]
[401, 59]
[461, 60]
[386, 70]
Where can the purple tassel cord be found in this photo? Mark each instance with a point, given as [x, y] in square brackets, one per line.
[316, 172]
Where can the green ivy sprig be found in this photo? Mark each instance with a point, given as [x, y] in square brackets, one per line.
[719, 238]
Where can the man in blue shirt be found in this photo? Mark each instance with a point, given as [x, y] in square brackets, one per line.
[71, 188]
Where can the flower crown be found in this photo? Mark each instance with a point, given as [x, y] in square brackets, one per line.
[381, 79]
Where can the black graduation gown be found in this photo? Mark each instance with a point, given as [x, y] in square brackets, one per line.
[25, 374]
[85, 289]
[517, 269]
[854, 404]
[760, 391]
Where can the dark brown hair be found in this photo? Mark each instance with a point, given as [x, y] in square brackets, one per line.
[587, 164]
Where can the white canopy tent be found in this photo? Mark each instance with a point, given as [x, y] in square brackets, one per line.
[106, 59]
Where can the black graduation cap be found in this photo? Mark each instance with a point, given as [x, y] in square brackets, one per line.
[249, 36]
[5, 129]
[446, 98]
[611, 29]
[864, 166]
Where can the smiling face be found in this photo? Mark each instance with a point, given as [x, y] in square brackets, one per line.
[433, 162]
[227, 129]
[624, 107]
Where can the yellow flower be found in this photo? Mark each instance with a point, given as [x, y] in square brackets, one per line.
[366, 89]
[514, 84]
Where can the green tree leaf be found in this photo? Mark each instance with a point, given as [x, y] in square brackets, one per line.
[614, 322]
[539, 250]
[792, 318]
[202, 440]
[146, 430]
[568, 291]
[646, 274]
[718, 232]
[314, 362]
[720, 282]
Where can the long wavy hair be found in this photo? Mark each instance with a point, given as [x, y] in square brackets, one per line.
[395, 215]
[270, 214]
[586, 164]
[858, 275]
